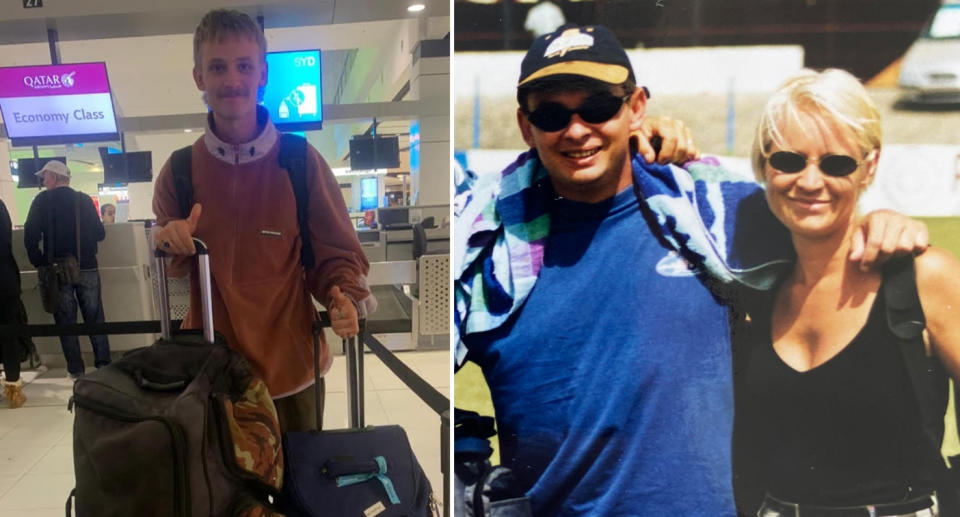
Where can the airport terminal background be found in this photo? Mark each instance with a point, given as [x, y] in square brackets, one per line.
[385, 72]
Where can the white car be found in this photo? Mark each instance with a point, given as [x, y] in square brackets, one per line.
[930, 71]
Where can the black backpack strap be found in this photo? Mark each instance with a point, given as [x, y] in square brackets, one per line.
[181, 167]
[472, 433]
[293, 158]
[906, 321]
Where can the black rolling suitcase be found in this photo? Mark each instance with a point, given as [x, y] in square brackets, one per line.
[365, 472]
[179, 428]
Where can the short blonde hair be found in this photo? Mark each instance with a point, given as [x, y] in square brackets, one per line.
[832, 94]
[220, 23]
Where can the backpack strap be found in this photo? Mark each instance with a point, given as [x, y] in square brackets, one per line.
[906, 321]
[293, 158]
[181, 167]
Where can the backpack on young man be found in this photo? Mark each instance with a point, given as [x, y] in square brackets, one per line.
[481, 489]
[292, 158]
[181, 428]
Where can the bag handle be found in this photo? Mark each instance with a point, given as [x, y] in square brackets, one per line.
[206, 300]
[156, 384]
[352, 473]
[334, 468]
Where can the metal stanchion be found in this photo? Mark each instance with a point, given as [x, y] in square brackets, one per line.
[444, 459]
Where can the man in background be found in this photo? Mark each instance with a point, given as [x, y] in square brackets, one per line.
[370, 219]
[66, 222]
[108, 213]
[9, 313]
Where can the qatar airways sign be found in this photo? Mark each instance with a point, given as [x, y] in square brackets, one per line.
[57, 104]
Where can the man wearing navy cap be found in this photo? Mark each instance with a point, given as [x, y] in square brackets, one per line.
[588, 289]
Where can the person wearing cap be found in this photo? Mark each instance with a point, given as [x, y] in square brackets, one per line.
[62, 219]
[591, 286]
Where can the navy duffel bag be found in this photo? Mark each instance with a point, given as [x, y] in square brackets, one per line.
[370, 471]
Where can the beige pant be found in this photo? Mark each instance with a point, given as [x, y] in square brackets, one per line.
[297, 412]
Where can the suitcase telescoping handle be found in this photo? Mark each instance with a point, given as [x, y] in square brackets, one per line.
[353, 351]
[206, 302]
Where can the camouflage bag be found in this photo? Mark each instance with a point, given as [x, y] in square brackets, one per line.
[180, 428]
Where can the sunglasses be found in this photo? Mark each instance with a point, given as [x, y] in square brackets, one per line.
[836, 165]
[598, 108]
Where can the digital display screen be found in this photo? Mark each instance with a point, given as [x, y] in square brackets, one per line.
[368, 193]
[390, 217]
[55, 104]
[27, 170]
[131, 167]
[292, 95]
[368, 153]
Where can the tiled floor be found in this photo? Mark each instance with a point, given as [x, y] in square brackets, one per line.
[36, 455]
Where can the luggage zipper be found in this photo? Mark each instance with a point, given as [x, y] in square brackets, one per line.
[181, 484]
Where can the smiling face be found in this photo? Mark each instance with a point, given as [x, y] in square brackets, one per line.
[587, 162]
[229, 72]
[810, 203]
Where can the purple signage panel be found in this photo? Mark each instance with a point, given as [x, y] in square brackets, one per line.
[57, 104]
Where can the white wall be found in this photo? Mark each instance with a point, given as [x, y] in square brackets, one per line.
[430, 83]
[666, 70]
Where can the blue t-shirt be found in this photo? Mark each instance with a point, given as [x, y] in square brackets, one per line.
[613, 392]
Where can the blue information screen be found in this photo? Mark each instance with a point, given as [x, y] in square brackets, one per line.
[292, 95]
[368, 193]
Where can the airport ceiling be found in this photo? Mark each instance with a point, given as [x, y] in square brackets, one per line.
[95, 19]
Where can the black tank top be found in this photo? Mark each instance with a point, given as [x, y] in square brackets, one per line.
[847, 432]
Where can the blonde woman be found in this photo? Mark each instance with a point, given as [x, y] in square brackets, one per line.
[827, 423]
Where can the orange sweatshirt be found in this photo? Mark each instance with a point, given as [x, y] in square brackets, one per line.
[249, 223]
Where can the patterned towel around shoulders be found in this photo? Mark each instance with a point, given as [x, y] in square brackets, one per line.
[720, 225]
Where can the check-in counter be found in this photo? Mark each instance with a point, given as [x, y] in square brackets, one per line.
[393, 245]
[125, 287]
[374, 243]
[399, 243]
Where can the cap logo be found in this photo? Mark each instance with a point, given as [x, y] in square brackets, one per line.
[570, 39]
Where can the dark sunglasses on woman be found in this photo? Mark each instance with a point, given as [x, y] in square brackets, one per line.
[831, 164]
[595, 109]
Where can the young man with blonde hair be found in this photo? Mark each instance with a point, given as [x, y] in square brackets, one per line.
[245, 210]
